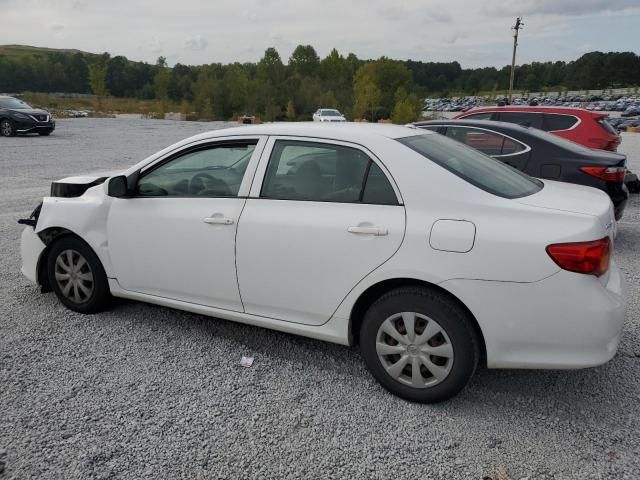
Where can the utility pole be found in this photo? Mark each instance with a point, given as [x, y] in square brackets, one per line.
[515, 29]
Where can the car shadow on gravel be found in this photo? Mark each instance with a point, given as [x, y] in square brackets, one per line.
[575, 389]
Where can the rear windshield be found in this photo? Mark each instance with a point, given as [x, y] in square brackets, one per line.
[559, 141]
[484, 172]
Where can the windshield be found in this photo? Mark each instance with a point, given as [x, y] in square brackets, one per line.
[330, 113]
[10, 102]
[484, 172]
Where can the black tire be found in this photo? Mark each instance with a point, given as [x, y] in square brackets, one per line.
[7, 128]
[44, 134]
[77, 298]
[452, 319]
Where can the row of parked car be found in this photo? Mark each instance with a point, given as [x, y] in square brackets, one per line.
[621, 124]
[629, 105]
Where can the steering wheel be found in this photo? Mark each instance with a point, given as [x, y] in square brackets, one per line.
[199, 182]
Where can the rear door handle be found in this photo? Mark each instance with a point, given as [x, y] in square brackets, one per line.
[218, 220]
[368, 230]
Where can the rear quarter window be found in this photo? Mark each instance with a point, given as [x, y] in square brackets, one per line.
[480, 170]
[553, 122]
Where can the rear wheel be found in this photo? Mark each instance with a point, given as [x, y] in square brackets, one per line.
[77, 276]
[6, 128]
[419, 344]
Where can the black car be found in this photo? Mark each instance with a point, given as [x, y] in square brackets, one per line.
[541, 154]
[18, 117]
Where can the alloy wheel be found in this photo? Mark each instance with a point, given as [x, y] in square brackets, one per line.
[5, 128]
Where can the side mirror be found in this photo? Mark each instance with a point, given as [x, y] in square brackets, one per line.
[118, 187]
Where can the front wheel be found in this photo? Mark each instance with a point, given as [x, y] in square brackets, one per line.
[7, 129]
[419, 344]
[77, 276]
[44, 134]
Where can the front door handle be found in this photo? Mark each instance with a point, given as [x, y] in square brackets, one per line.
[378, 231]
[218, 220]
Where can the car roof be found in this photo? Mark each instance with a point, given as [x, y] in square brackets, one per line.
[532, 109]
[489, 124]
[359, 133]
[345, 131]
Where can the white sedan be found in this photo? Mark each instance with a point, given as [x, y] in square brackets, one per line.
[428, 254]
[328, 115]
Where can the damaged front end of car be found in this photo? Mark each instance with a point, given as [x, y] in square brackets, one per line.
[37, 236]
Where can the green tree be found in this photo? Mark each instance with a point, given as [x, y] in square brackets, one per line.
[304, 61]
[375, 85]
[366, 95]
[407, 107]
[161, 84]
[291, 111]
[98, 81]
[235, 89]
[270, 73]
[204, 90]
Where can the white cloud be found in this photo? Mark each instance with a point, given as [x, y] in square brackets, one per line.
[195, 43]
[563, 7]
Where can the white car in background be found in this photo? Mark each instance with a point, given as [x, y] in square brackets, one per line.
[428, 254]
[328, 115]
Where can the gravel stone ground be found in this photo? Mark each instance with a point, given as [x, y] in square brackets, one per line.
[146, 392]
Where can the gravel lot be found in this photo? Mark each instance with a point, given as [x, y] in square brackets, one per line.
[148, 392]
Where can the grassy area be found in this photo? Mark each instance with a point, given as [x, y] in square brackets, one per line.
[22, 50]
[109, 105]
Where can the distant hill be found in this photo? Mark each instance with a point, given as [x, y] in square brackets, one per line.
[22, 50]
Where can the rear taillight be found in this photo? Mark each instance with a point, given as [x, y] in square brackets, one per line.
[613, 145]
[608, 174]
[591, 258]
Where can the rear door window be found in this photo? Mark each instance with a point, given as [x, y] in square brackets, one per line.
[553, 122]
[525, 119]
[322, 172]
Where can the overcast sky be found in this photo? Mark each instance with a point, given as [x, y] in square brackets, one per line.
[473, 32]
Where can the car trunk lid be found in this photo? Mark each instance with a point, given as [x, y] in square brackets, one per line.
[567, 197]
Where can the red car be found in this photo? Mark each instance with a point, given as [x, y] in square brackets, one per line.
[590, 129]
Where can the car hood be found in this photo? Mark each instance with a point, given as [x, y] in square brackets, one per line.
[568, 197]
[76, 186]
[29, 111]
[89, 177]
